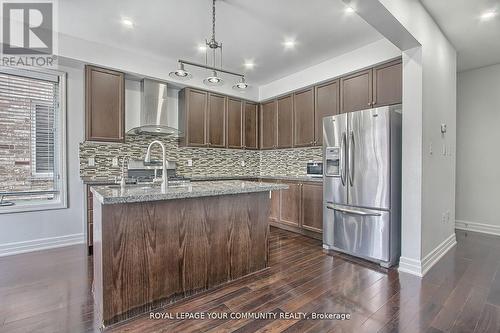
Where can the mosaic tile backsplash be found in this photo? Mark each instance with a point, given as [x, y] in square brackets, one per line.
[206, 161]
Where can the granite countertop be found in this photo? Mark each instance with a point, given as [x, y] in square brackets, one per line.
[108, 181]
[141, 193]
[98, 180]
[295, 178]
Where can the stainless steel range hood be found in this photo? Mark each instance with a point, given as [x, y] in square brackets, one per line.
[154, 115]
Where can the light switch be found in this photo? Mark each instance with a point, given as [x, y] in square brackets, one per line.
[91, 161]
[115, 161]
[242, 163]
[189, 162]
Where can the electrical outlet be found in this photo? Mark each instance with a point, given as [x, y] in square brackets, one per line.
[115, 161]
[189, 162]
[443, 217]
[242, 163]
[91, 161]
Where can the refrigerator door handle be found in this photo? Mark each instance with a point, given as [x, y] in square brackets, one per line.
[353, 211]
[343, 158]
[351, 158]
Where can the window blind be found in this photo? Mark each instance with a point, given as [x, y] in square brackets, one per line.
[28, 144]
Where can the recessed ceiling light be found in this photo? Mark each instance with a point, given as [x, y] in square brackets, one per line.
[349, 10]
[249, 64]
[289, 43]
[127, 22]
[488, 15]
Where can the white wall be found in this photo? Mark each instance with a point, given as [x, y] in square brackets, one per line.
[478, 153]
[35, 230]
[362, 57]
[436, 80]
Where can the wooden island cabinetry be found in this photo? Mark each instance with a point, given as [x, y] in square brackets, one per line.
[154, 248]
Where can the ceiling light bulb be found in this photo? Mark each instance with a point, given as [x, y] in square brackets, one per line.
[289, 44]
[349, 10]
[213, 80]
[488, 15]
[242, 85]
[180, 73]
[127, 22]
[249, 65]
[202, 48]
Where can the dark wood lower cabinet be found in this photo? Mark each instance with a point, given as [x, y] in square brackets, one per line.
[299, 208]
[274, 215]
[312, 207]
[90, 220]
[290, 204]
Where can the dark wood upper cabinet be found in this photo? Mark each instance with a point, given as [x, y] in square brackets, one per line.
[193, 110]
[388, 84]
[234, 123]
[303, 112]
[104, 105]
[268, 125]
[251, 125]
[290, 204]
[216, 120]
[285, 122]
[356, 91]
[327, 103]
[312, 207]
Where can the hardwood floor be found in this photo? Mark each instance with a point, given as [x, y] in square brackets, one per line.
[50, 291]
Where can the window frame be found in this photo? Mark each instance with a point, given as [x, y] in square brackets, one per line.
[60, 164]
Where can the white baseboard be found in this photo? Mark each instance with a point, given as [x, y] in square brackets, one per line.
[410, 266]
[478, 227]
[8, 249]
[420, 268]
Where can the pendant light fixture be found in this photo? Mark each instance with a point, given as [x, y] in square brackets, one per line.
[242, 85]
[213, 80]
[215, 47]
[180, 73]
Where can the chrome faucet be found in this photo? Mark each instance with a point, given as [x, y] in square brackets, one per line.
[147, 159]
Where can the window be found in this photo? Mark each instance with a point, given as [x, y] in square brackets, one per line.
[32, 140]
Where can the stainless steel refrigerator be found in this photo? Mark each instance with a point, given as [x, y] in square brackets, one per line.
[362, 184]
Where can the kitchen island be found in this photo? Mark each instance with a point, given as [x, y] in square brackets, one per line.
[153, 247]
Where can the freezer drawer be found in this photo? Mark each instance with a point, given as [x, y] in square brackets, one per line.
[361, 232]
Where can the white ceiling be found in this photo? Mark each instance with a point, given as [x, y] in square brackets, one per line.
[249, 29]
[477, 42]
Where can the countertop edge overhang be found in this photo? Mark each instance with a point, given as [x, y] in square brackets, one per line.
[137, 193]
